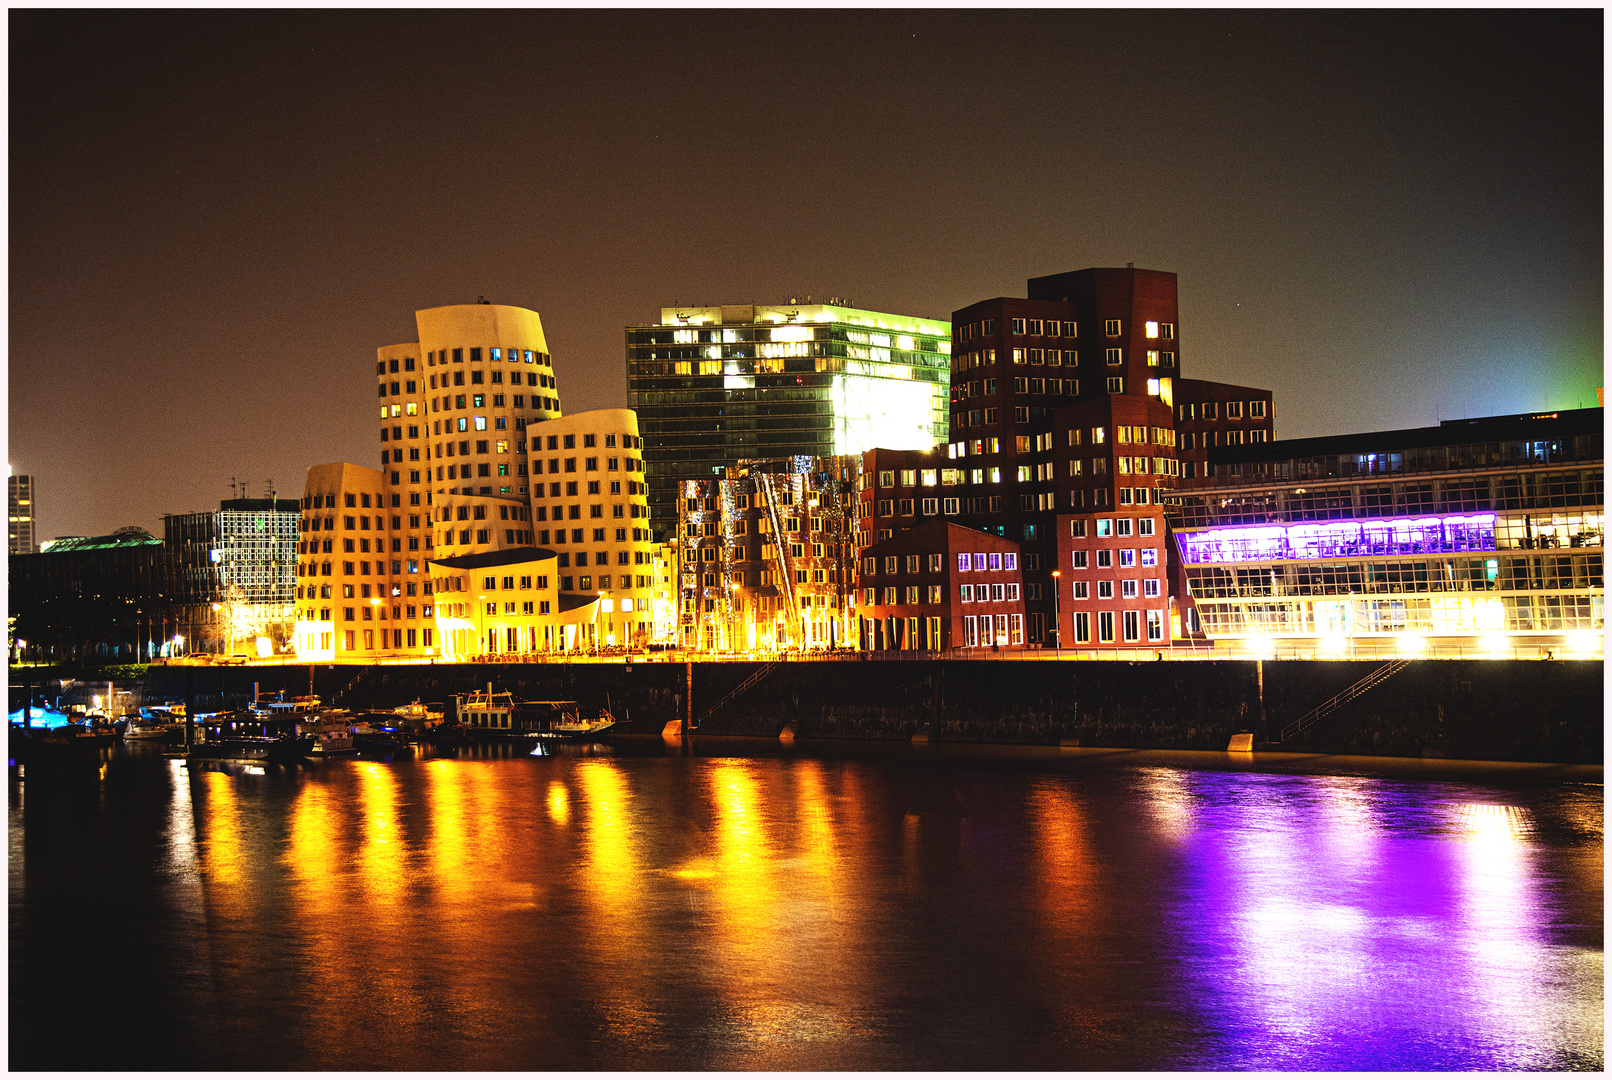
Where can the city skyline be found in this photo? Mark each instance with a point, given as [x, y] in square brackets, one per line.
[1386, 218]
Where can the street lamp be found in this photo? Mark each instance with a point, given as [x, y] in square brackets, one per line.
[1057, 624]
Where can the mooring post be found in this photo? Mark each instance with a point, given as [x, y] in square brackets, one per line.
[688, 705]
[190, 707]
[1259, 676]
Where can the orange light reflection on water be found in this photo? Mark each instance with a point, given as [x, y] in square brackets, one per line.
[221, 848]
[380, 854]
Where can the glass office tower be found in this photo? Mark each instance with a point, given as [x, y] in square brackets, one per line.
[716, 385]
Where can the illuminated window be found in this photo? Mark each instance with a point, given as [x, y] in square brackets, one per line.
[1152, 329]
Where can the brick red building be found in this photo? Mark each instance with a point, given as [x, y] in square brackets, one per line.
[941, 586]
[1026, 375]
[1210, 414]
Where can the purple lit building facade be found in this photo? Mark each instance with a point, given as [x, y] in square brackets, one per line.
[1478, 537]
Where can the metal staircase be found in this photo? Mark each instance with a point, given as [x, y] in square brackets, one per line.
[365, 670]
[1342, 698]
[755, 677]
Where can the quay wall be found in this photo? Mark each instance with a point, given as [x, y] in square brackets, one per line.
[1506, 710]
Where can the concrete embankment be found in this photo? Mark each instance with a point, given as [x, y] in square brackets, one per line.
[1499, 710]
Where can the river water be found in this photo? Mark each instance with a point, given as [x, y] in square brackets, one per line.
[840, 907]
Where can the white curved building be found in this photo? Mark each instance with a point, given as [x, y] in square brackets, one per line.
[480, 473]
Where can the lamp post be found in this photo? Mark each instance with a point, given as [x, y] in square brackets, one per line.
[1057, 618]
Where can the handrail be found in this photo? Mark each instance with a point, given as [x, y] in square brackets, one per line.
[754, 677]
[336, 698]
[1343, 697]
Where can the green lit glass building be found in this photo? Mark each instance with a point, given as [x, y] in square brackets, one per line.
[715, 385]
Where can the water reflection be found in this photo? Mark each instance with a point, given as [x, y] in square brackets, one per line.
[380, 860]
[1331, 923]
[589, 912]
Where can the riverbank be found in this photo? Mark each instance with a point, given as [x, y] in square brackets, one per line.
[1483, 710]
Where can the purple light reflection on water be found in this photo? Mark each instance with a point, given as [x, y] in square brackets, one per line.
[1346, 923]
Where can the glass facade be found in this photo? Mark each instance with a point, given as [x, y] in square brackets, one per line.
[713, 386]
[1490, 538]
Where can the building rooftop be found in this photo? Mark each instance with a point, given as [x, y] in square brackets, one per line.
[741, 314]
[94, 543]
[1485, 429]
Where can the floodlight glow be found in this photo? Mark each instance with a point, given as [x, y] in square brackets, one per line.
[1583, 642]
[868, 412]
[1494, 643]
[1262, 646]
[1412, 644]
[1335, 644]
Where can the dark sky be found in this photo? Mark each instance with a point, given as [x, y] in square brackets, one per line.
[216, 218]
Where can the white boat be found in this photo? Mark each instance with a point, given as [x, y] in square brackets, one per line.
[418, 716]
[327, 734]
[141, 728]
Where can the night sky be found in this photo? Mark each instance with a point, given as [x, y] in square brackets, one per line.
[216, 218]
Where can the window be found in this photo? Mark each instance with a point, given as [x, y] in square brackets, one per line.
[1152, 329]
[1079, 589]
[967, 593]
[1017, 326]
[1105, 590]
[1122, 526]
[1144, 526]
[1133, 629]
[1082, 626]
[1127, 557]
[1256, 410]
[962, 560]
[1127, 589]
[1167, 330]
[1105, 559]
[1150, 556]
[1150, 587]
[1111, 327]
[1077, 560]
[1155, 625]
[1105, 626]
[1115, 357]
[1234, 410]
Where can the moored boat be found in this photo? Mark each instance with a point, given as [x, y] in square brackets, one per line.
[326, 734]
[142, 728]
[270, 749]
[486, 714]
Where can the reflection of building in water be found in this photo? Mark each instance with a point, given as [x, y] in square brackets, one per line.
[1486, 532]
